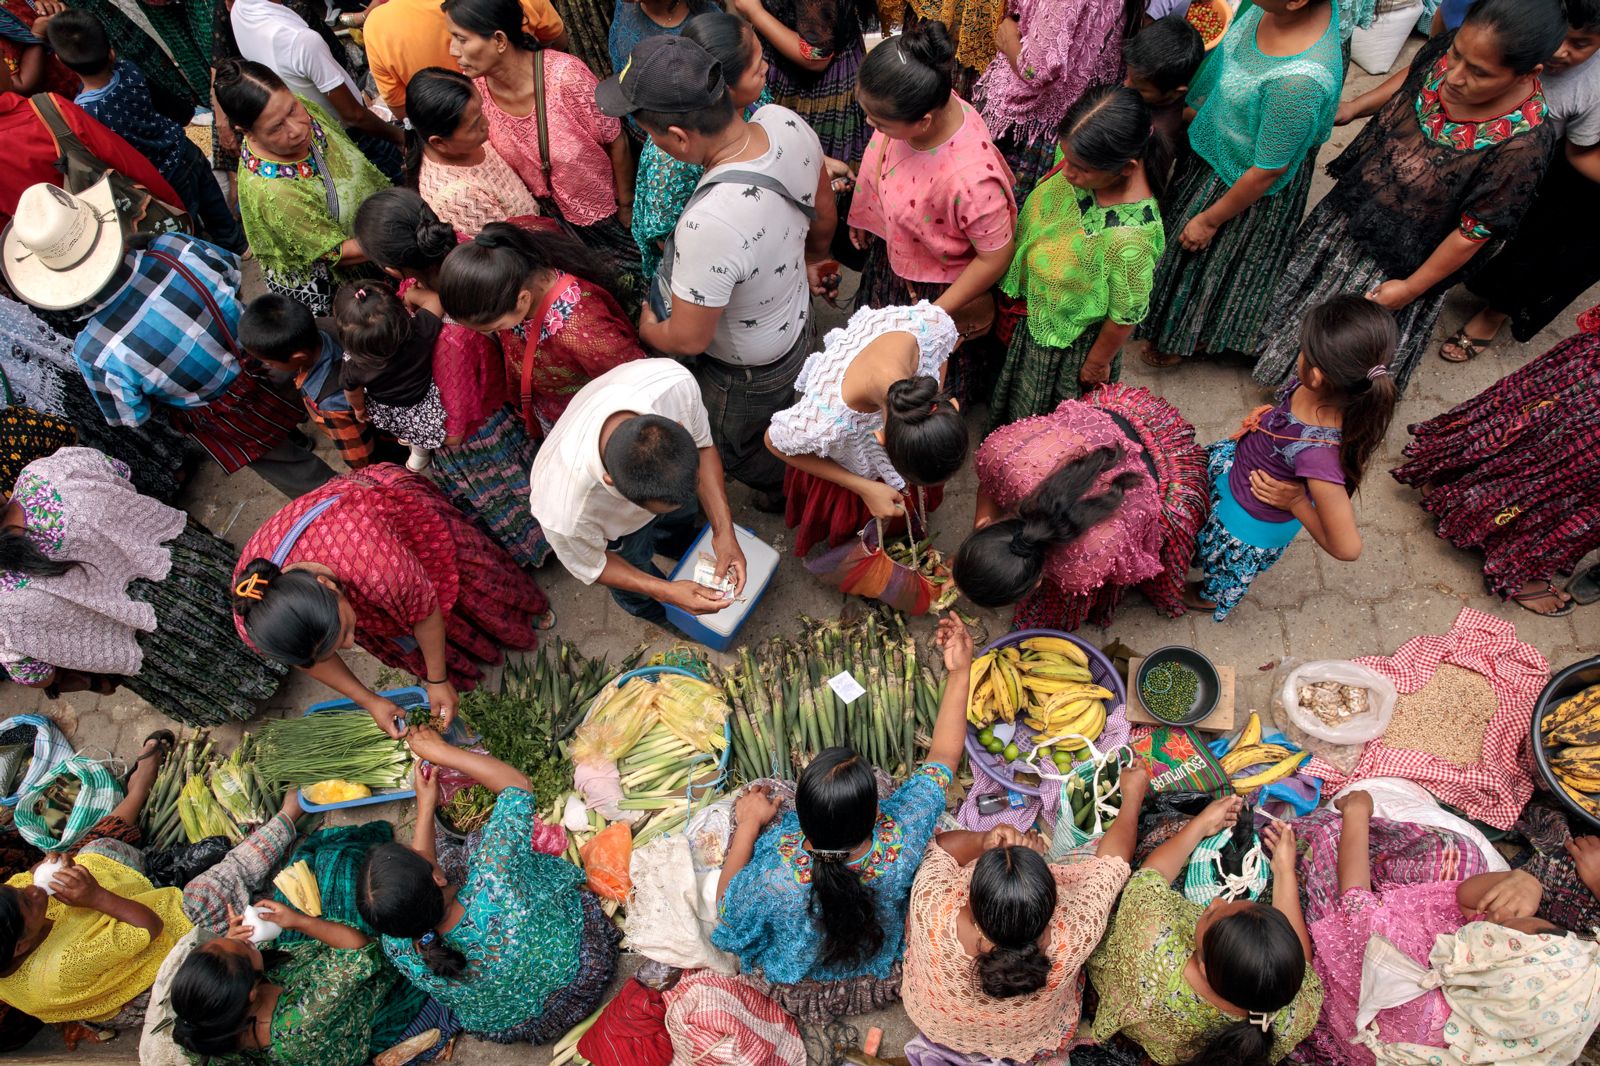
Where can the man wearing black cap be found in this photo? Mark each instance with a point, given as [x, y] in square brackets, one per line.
[736, 279]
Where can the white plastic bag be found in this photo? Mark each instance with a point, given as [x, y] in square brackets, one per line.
[1381, 697]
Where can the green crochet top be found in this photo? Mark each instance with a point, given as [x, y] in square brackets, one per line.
[1256, 110]
[1078, 264]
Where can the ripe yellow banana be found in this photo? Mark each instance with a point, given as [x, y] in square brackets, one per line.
[1254, 755]
[1059, 646]
[1276, 772]
[1252, 732]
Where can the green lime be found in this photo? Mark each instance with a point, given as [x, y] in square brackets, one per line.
[1063, 759]
[1081, 755]
[1011, 752]
[994, 746]
[985, 735]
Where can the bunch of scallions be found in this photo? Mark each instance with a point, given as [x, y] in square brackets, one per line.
[344, 745]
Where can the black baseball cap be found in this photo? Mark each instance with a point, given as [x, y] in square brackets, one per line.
[664, 73]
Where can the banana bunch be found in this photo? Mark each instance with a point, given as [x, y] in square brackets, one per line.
[299, 886]
[1026, 678]
[1571, 734]
[1275, 762]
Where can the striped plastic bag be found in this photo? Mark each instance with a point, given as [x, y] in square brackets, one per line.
[98, 793]
[50, 749]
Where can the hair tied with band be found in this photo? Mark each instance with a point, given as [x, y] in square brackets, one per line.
[427, 938]
[1379, 371]
[253, 587]
[827, 854]
[1261, 1019]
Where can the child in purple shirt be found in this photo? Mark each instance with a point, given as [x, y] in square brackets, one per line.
[1297, 464]
[115, 93]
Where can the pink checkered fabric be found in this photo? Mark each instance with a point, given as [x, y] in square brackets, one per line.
[1494, 789]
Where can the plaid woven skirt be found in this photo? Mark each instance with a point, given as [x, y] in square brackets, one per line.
[821, 512]
[827, 101]
[1327, 262]
[1402, 853]
[486, 476]
[1217, 300]
[1035, 377]
[1228, 563]
[246, 422]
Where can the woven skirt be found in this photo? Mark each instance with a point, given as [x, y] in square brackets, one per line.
[1035, 377]
[598, 945]
[819, 1002]
[196, 669]
[1514, 469]
[1229, 564]
[246, 422]
[486, 476]
[1029, 156]
[1327, 262]
[827, 101]
[156, 453]
[821, 512]
[1217, 300]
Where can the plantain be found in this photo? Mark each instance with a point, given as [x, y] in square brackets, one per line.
[1252, 732]
[1059, 646]
[1276, 772]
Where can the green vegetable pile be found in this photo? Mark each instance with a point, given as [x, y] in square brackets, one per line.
[1169, 689]
[469, 809]
[198, 794]
[347, 745]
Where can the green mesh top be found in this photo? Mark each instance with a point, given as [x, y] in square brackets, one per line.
[1078, 264]
[1256, 110]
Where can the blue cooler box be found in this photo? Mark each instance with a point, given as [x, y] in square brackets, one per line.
[716, 631]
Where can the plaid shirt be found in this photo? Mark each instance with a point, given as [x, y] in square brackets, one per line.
[155, 340]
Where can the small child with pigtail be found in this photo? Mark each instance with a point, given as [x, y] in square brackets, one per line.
[1297, 464]
[388, 366]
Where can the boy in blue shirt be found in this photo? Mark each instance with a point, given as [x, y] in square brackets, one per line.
[114, 91]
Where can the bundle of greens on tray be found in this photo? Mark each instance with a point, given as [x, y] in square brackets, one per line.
[345, 745]
[198, 793]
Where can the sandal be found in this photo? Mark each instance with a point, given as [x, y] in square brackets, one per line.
[1471, 346]
[165, 743]
[546, 621]
[1159, 360]
[1524, 599]
[1584, 588]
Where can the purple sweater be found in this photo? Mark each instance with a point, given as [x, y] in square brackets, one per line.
[1285, 448]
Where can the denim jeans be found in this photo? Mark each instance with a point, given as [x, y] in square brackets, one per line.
[740, 402]
[208, 207]
[669, 535]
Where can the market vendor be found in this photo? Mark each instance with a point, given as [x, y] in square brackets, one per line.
[522, 951]
[626, 475]
[381, 558]
[814, 901]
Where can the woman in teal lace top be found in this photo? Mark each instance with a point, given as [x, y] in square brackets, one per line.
[814, 901]
[665, 184]
[1088, 239]
[1263, 104]
[522, 951]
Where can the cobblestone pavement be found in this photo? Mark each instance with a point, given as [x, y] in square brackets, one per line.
[1407, 581]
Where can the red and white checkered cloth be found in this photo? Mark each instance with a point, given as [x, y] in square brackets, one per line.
[1494, 789]
[725, 1021]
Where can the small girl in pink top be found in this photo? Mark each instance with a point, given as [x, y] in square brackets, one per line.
[933, 205]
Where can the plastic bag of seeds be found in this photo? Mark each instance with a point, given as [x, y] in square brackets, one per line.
[1333, 707]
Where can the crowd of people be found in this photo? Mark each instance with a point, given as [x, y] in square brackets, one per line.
[546, 289]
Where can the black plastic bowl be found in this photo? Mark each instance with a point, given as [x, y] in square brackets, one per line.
[1205, 693]
[1569, 682]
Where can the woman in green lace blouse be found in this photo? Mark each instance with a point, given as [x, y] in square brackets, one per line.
[300, 182]
[1087, 244]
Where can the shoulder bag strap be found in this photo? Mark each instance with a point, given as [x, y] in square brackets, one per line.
[539, 117]
[66, 141]
[725, 177]
[290, 538]
[205, 294]
[536, 324]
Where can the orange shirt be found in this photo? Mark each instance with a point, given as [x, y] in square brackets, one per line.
[404, 36]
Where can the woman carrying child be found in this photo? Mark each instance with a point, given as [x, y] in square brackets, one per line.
[873, 435]
[1088, 242]
[476, 450]
[1297, 464]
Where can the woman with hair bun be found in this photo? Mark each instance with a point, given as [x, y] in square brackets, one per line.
[522, 951]
[813, 900]
[997, 938]
[933, 207]
[449, 158]
[1077, 506]
[873, 434]
[381, 558]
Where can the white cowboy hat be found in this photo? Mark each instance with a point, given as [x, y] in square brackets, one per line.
[60, 249]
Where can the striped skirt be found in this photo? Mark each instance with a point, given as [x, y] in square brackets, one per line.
[486, 476]
[827, 101]
[1029, 156]
[196, 669]
[246, 422]
[1035, 378]
[1217, 300]
[1327, 262]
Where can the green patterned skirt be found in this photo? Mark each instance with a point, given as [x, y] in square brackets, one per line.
[196, 669]
[1035, 378]
[1217, 300]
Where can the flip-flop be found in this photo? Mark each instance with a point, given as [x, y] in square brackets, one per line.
[1584, 588]
[1521, 600]
[166, 742]
[1473, 346]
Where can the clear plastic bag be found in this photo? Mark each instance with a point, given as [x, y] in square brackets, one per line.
[1338, 743]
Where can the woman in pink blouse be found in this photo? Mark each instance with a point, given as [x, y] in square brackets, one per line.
[587, 181]
[933, 207]
[449, 159]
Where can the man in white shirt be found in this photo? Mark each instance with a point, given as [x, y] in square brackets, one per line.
[271, 34]
[749, 250]
[623, 477]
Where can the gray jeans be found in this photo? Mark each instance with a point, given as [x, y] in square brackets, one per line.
[741, 400]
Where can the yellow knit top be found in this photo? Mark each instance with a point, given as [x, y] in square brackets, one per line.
[90, 965]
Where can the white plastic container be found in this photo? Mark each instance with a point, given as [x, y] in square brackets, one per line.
[717, 630]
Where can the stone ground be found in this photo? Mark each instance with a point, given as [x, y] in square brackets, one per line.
[1406, 582]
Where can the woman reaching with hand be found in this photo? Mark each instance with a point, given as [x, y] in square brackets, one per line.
[1228, 983]
[997, 937]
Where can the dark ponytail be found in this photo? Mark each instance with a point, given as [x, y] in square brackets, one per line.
[435, 101]
[489, 17]
[19, 554]
[243, 89]
[396, 896]
[1351, 340]
[1254, 960]
[1528, 31]
[1000, 563]
[289, 615]
[910, 74]
[837, 803]
[481, 279]
[1109, 127]
[924, 434]
[1013, 898]
[211, 1001]
[399, 231]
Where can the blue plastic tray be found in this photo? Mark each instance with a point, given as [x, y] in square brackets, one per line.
[727, 725]
[405, 698]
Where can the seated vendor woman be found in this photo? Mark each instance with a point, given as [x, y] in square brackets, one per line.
[815, 902]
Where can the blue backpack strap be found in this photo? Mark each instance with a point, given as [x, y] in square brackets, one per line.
[286, 545]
